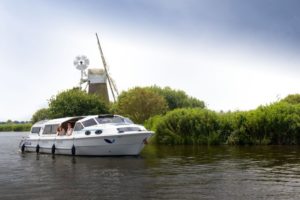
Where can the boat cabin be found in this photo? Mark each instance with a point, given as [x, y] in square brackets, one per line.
[49, 127]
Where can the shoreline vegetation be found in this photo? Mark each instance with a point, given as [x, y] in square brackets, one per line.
[179, 119]
[275, 124]
[15, 127]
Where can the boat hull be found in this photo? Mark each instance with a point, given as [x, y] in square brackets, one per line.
[113, 145]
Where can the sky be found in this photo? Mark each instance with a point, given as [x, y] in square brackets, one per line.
[232, 54]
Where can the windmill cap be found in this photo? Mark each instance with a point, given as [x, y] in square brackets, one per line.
[96, 72]
[96, 76]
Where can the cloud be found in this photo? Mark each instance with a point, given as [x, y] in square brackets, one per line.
[230, 54]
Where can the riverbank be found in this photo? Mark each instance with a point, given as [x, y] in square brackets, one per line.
[274, 124]
[12, 127]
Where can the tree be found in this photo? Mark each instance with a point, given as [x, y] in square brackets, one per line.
[140, 104]
[75, 102]
[40, 114]
[177, 98]
[292, 99]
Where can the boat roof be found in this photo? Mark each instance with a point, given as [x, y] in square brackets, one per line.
[77, 118]
[55, 121]
[60, 120]
[98, 116]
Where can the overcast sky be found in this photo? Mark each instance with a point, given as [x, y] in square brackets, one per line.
[233, 54]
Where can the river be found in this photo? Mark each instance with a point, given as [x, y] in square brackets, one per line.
[160, 172]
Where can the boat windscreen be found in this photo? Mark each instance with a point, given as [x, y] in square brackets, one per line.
[78, 126]
[89, 122]
[105, 120]
[35, 129]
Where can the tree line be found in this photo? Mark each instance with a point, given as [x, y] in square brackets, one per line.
[138, 103]
[178, 118]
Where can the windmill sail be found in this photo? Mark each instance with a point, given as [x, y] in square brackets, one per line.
[111, 83]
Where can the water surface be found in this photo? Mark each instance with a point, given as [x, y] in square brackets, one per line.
[160, 172]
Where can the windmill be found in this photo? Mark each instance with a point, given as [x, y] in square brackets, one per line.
[96, 78]
[81, 63]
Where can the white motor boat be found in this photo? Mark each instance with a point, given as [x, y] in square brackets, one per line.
[98, 135]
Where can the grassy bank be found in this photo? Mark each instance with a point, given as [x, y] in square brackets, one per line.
[15, 127]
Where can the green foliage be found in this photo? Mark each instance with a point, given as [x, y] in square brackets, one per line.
[187, 126]
[152, 122]
[292, 99]
[142, 103]
[15, 127]
[187, 121]
[40, 114]
[283, 123]
[177, 98]
[139, 104]
[75, 102]
[278, 123]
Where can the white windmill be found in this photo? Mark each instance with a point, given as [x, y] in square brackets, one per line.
[81, 63]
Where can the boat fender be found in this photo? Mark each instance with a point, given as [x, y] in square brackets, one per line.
[53, 149]
[73, 150]
[23, 148]
[145, 141]
[37, 148]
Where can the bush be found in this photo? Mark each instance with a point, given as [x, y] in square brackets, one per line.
[187, 126]
[278, 123]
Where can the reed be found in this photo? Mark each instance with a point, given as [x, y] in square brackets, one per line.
[11, 127]
[277, 123]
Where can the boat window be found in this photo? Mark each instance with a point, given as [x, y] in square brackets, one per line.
[103, 120]
[78, 126]
[89, 122]
[127, 120]
[115, 119]
[128, 129]
[35, 129]
[50, 129]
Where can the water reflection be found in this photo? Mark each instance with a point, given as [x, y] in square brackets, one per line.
[160, 172]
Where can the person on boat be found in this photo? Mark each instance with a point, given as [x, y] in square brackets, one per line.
[60, 131]
[70, 129]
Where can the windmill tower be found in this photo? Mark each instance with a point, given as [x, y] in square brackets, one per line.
[97, 83]
[96, 78]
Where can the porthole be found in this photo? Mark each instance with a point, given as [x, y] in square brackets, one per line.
[88, 132]
[98, 132]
